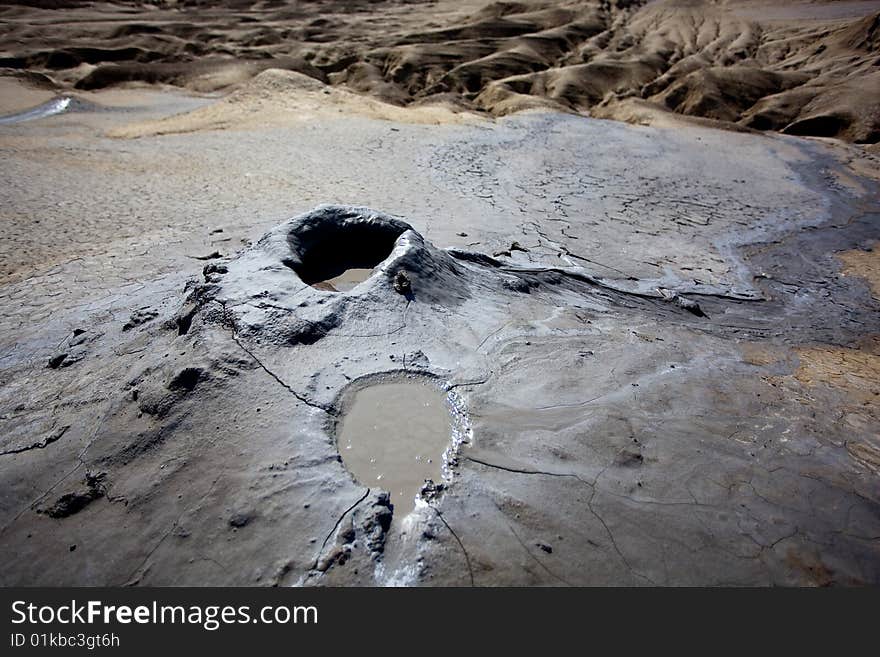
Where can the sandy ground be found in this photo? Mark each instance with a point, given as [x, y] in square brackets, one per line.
[170, 390]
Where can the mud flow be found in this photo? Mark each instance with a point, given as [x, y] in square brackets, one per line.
[50, 108]
[393, 437]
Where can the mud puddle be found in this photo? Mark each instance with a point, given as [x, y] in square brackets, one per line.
[395, 435]
[345, 281]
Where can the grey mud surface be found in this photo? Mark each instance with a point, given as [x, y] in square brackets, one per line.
[622, 311]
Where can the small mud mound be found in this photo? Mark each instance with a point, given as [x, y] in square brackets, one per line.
[337, 249]
[279, 290]
[272, 291]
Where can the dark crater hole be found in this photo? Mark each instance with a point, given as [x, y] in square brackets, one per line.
[325, 250]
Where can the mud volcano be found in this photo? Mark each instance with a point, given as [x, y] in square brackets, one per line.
[337, 251]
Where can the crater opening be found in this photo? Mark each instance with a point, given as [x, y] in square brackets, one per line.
[337, 250]
[397, 433]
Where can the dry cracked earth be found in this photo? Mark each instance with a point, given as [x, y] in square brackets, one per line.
[663, 341]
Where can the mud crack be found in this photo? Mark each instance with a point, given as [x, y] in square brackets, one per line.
[230, 323]
[464, 551]
[593, 512]
[336, 526]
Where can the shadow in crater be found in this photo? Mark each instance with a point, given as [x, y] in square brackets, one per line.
[336, 241]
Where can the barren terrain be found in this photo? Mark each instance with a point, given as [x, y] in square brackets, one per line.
[805, 68]
[658, 339]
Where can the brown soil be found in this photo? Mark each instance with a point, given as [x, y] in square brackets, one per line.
[865, 264]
